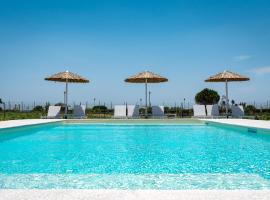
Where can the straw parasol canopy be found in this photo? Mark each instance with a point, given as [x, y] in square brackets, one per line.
[146, 77]
[142, 77]
[226, 77]
[67, 77]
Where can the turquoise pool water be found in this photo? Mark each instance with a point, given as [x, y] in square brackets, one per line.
[92, 156]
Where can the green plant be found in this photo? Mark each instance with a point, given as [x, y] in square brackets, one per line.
[38, 109]
[264, 117]
[11, 115]
[207, 96]
[99, 109]
[47, 105]
[250, 110]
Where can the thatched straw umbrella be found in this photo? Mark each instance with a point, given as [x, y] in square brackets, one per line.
[146, 77]
[226, 77]
[66, 77]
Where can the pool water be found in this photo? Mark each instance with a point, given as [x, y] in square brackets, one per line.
[96, 156]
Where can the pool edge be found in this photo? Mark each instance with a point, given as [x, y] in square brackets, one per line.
[70, 194]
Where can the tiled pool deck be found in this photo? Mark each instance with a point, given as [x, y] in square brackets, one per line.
[70, 194]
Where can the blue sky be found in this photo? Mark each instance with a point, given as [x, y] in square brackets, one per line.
[106, 41]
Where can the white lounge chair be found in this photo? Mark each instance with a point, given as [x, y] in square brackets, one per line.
[79, 111]
[237, 111]
[133, 111]
[158, 111]
[212, 110]
[120, 111]
[199, 111]
[53, 112]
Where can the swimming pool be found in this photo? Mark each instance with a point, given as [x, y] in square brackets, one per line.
[111, 156]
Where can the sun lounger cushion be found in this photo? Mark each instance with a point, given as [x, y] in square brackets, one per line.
[120, 111]
[238, 111]
[199, 110]
[212, 110]
[133, 110]
[157, 111]
[53, 111]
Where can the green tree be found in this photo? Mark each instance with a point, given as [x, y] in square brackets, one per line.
[207, 96]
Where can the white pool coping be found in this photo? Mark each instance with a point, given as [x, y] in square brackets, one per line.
[250, 123]
[263, 124]
[72, 194]
[25, 122]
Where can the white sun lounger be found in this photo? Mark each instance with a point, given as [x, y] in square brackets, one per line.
[199, 111]
[133, 111]
[53, 112]
[120, 111]
[158, 111]
[212, 110]
[79, 111]
[237, 111]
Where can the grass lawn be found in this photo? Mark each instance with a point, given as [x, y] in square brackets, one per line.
[11, 115]
[21, 115]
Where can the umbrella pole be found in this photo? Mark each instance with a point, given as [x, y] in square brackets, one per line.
[227, 99]
[66, 106]
[145, 98]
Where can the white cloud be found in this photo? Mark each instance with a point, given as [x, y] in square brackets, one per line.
[261, 70]
[242, 57]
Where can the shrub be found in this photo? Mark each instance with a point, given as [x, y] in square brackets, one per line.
[47, 105]
[38, 109]
[264, 117]
[99, 108]
[250, 109]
